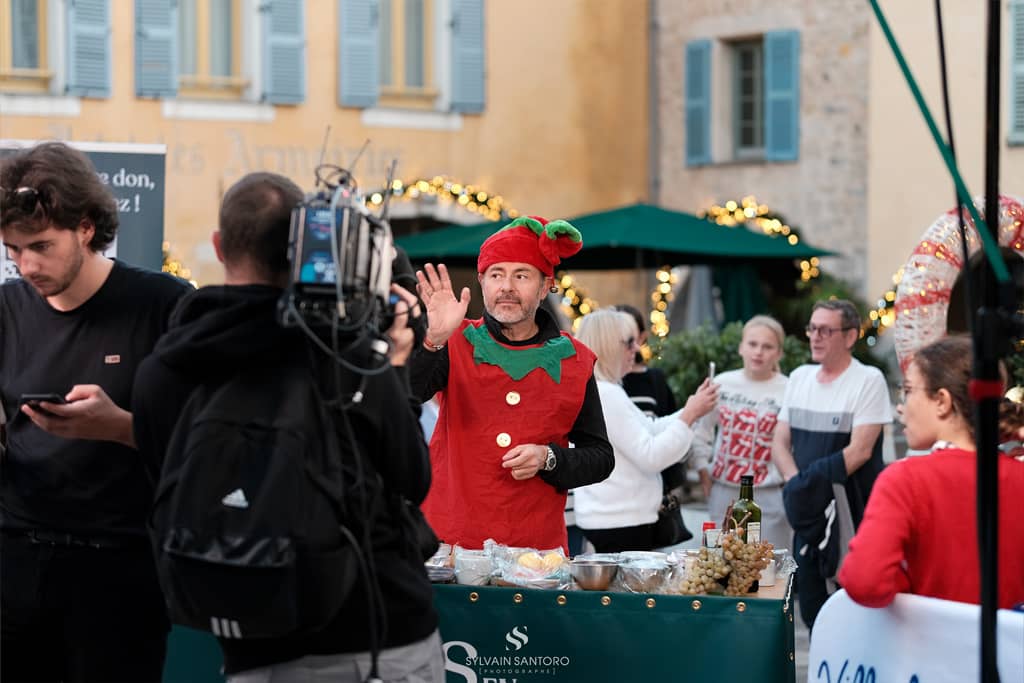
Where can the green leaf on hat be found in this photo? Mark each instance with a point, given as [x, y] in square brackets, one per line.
[531, 223]
[560, 228]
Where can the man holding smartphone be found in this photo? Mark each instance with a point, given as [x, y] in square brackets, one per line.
[79, 595]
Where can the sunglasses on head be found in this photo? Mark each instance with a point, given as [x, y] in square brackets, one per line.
[23, 200]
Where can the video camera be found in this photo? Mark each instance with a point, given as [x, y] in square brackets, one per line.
[339, 257]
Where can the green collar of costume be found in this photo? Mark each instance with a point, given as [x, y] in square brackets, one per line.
[517, 363]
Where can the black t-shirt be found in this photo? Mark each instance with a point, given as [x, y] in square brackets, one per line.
[75, 485]
[650, 392]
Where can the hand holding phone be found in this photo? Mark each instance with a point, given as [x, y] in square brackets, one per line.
[33, 400]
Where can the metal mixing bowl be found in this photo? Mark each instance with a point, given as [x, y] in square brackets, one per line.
[593, 575]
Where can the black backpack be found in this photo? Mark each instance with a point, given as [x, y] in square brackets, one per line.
[249, 522]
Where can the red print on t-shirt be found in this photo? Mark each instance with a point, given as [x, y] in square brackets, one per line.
[745, 444]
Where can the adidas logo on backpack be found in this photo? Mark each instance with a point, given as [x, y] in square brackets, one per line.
[235, 499]
[248, 523]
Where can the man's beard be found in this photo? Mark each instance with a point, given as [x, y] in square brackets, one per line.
[510, 317]
[50, 287]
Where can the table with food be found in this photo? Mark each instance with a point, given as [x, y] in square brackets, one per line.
[719, 613]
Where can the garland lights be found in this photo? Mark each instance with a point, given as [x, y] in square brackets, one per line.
[473, 198]
[660, 298]
[176, 267]
[883, 315]
[575, 301]
[748, 210]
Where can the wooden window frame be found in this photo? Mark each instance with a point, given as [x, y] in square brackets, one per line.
[202, 84]
[24, 80]
[398, 94]
[756, 46]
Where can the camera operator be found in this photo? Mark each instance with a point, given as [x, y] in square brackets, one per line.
[234, 328]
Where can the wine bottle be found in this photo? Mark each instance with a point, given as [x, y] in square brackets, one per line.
[747, 516]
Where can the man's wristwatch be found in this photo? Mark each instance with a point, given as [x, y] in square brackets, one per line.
[550, 461]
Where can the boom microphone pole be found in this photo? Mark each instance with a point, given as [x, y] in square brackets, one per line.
[986, 387]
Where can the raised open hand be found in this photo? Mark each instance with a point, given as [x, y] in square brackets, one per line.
[444, 311]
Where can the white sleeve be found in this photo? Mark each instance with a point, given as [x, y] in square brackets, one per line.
[703, 445]
[650, 446]
[873, 405]
[783, 415]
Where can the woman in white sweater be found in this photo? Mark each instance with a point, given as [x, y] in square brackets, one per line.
[619, 513]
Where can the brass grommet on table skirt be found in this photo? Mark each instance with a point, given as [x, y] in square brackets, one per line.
[517, 598]
[741, 606]
[474, 596]
[790, 617]
[606, 600]
[791, 657]
[695, 605]
[650, 602]
[561, 600]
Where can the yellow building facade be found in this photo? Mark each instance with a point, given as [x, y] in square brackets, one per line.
[557, 123]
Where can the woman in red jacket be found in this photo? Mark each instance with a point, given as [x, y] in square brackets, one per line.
[919, 534]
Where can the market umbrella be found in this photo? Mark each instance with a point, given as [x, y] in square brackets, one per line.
[636, 236]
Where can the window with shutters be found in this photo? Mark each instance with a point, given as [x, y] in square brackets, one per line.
[406, 77]
[250, 50]
[24, 58]
[210, 49]
[412, 55]
[742, 98]
[51, 47]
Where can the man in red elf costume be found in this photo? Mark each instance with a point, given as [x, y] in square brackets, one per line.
[513, 391]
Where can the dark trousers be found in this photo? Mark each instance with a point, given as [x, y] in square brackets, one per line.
[812, 591]
[622, 538]
[75, 613]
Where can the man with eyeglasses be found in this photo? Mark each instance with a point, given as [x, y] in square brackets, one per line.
[828, 447]
[80, 598]
[513, 391]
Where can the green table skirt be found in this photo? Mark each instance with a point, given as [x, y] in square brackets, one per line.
[494, 634]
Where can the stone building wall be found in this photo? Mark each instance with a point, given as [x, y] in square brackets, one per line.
[824, 192]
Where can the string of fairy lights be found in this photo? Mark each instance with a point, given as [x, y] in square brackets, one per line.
[174, 266]
[661, 297]
[883, 315]
[473, 198]
[749, 211]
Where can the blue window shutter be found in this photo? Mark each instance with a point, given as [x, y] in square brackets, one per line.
[1016, 132]
[782, 95]
[468, 87]
[156, 48]
[88, 70]
[284, 52]
[697, 69]
[358, 52]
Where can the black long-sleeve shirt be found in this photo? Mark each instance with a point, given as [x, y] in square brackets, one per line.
[590, 460]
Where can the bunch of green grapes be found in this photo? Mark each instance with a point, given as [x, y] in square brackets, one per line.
[745, 560]
[703, 575]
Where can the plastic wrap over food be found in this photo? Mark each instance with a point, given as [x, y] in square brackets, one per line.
[530, 567]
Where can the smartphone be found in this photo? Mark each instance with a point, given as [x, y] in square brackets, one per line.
[711, 370]
[35, 399]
